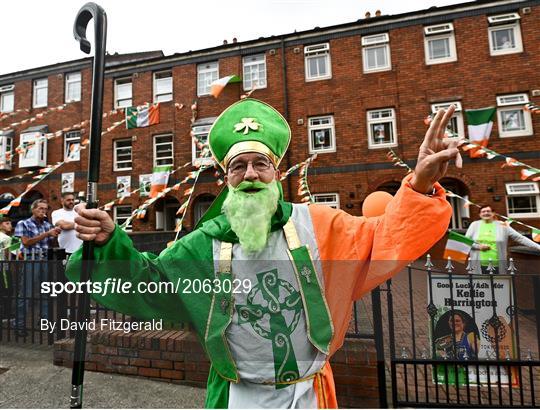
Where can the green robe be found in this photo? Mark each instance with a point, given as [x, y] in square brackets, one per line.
[189, 258]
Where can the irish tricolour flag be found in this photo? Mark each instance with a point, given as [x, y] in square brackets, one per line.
[142, 116]
[479, 124]
[160, 179]
[217, 86]
[457, 247]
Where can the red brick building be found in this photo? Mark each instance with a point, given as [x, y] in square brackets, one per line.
[350, 92]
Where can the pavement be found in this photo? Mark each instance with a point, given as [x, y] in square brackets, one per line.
[32, 381]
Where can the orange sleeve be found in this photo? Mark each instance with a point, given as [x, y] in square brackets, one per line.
[359, 253]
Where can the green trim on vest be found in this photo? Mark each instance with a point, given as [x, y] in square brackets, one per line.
[318, 320]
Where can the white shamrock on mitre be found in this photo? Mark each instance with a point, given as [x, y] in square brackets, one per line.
[246, 125]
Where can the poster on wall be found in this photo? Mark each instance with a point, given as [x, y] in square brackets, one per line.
[477, 327]
[68, 182]
[123, 186]
[145, 182]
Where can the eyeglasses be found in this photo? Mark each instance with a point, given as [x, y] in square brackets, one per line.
[259, 165]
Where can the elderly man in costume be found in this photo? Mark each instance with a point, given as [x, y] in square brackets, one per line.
[270, 345]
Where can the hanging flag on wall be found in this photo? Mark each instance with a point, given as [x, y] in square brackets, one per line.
[123, 186]
[160, 179]
[145, 182]
[68, 180]
[216, 87]
[457, 247]
[479, 125]
[142, 116]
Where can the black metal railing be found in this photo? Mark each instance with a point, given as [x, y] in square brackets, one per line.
[459, 338]
[27, 313]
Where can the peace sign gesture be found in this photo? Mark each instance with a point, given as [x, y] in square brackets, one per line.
[435, 153]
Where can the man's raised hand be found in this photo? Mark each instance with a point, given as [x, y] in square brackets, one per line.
[435, 153]
[93, 224]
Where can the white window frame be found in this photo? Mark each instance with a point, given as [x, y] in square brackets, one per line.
[116, 149]
[330, 125]
[319, 199]
[514, 102]
[6, 146]
[73, 79]
[129, 227]
[505, 21]
[391, 119]
[166, 96]
[40, 84]
[72, 137]
[250, 62]
[440, 32]
[5, 91]
[122, 81]
[458, 114]
[200, 130]
[316, 51]
[376, 41]
[155, 145]
[211, 68]
[512, 192]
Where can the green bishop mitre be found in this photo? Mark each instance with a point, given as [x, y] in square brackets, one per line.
[249, 125]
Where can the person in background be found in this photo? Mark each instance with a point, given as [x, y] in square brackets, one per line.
[37, 236]
[63, 218]
[491, 241]
[5, 277]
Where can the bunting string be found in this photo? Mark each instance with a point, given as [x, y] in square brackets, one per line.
[42, 174]
[13, 113]
[467, 203]
[108, 206]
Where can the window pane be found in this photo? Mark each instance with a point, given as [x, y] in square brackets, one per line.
[123, 91]
[503, 39]
[513, 120]
[321, 138]
[376, 57]
[439, 48]
[7, 102]
[522, 204]
[382, 133]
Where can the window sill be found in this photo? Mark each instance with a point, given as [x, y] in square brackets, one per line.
[382, 146]
[310, 80]
[505, 52]
[441, 61]
[377, 70]
[525, 133]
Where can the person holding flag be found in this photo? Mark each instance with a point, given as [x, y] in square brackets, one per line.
[490, 238]
[301, 267]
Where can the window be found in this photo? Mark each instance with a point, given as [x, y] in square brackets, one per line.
[321, 134]
[376, 51]
[73, 87]
[122, 93]
[317, 62]
[440, 44]
[254, 72]
[382, 128]
[206, 75]
[40, 93]
[7, 98]
[163, 150]
[513, 119]
[6, 150]
[121, 213]
[163, 86]
[35, 154]
[332, 200]
[72, 146]
[455, 125]
[122, 154]
[504, 34]
[523, 199]
[200, 152]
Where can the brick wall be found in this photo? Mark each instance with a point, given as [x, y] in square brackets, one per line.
[177, 357]
[475, 79]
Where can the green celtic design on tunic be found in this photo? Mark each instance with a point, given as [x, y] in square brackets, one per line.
[271, 307]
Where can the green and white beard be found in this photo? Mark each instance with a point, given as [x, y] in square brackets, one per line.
[250, 214]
